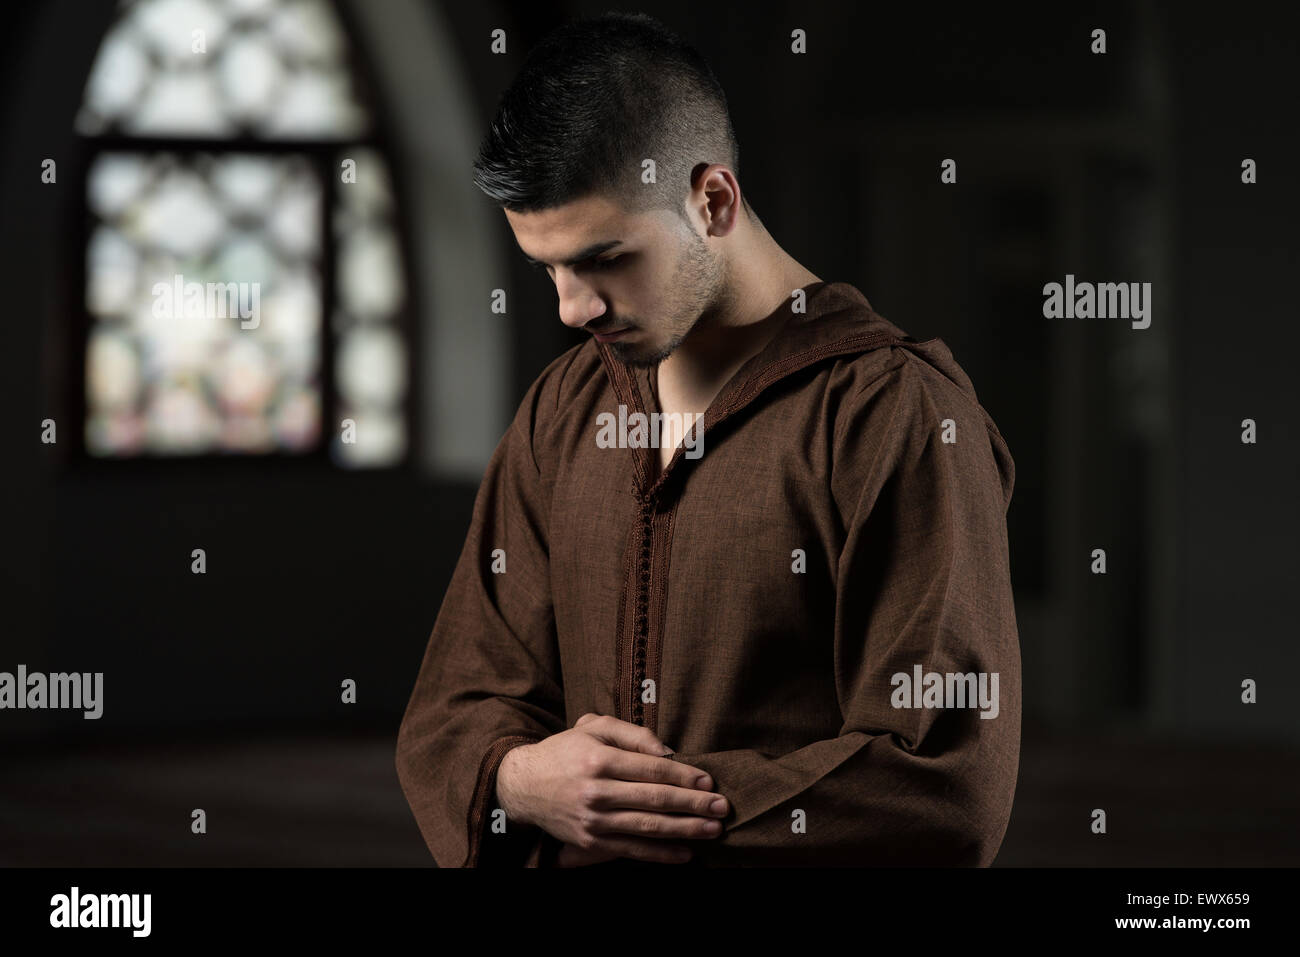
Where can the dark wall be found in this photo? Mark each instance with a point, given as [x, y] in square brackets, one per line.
[1238, 257]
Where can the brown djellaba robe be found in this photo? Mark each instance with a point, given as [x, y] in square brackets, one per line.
[756, 607]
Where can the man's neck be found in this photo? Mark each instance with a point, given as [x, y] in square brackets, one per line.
[695, 373]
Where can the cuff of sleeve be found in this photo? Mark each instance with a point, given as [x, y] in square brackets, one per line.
[485, 848]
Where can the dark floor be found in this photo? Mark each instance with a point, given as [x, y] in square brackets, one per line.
[307, 801]
[1167, 803]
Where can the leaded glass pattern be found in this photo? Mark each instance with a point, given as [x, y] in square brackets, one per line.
[206, 262]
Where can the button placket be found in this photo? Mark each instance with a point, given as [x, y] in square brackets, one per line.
[641, 618]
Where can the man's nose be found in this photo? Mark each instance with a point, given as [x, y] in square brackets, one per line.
[579, 303]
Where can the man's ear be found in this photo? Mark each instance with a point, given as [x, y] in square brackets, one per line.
[721, 202]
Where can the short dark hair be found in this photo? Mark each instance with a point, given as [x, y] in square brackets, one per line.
[593, 100]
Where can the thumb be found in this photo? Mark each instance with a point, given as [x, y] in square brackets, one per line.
[628, 736]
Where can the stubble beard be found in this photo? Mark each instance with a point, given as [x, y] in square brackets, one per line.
[700, 293]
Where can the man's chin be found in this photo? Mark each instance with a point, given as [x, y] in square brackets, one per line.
[638, 355]
[644, 354]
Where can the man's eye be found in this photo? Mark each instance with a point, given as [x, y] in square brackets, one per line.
[596, 264]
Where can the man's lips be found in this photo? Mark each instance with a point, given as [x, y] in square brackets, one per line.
[612, 334]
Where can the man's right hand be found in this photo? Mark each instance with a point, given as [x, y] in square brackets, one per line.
[605, 787]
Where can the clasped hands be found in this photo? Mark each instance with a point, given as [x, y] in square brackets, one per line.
[606, 789]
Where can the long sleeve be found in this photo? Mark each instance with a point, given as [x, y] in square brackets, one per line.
[923, 580]
[490, 678]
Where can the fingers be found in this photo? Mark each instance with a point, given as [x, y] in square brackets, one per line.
[660, 827]
[662, 798]
[627, 766]
[622, 734]
[656, 811]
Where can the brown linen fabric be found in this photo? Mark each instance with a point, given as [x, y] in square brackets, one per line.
[776, 682]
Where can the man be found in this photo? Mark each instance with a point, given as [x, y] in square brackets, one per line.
[806, 594]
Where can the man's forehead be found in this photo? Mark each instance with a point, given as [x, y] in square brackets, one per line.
[572, 232]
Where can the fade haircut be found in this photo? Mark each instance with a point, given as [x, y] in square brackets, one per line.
[593, 100]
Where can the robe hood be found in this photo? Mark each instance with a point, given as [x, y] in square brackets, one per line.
[837, 321]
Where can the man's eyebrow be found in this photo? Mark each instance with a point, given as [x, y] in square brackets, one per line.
[582, 255]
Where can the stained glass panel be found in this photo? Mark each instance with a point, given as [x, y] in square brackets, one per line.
[205, 269]
[206, 311]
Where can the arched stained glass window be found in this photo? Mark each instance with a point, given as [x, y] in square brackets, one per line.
[236, 197]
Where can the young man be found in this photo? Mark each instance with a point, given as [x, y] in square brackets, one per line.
[806, 594]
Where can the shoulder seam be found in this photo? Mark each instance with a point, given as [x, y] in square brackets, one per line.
[891, 369]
